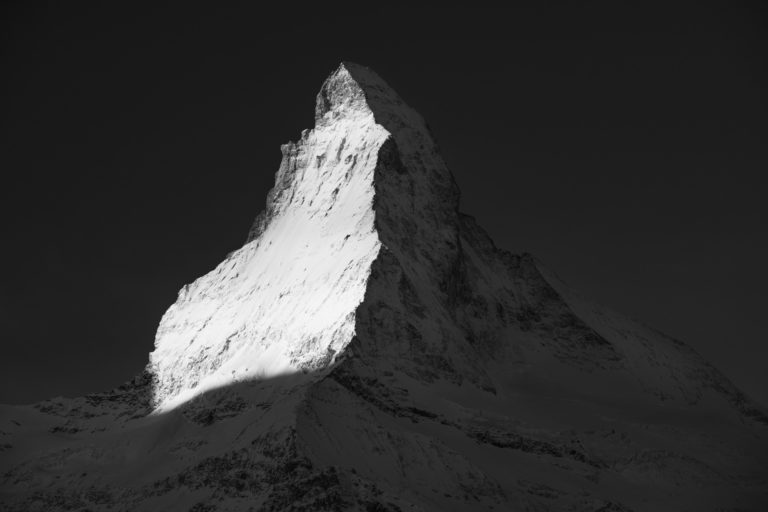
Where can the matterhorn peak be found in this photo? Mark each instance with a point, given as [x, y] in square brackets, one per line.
[370, 348]
[343, 94]
[286, 301]
[355, 90]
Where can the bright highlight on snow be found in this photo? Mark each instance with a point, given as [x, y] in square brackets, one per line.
[285, 302]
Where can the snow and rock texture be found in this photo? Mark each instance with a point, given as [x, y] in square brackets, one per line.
[370, 348]
[285, 302]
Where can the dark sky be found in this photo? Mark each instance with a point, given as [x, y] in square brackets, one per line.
[625, 148]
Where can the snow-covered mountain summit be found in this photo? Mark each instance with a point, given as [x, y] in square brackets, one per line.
[370, 348]
[286, 301]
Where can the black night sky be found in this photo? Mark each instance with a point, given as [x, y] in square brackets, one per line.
[625, 148]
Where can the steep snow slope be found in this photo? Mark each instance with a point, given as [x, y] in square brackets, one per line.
[286, 300]
[369, 348]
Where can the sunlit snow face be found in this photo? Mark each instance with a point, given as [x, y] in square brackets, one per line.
[286, 301]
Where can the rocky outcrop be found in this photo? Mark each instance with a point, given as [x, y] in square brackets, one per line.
[370, 348]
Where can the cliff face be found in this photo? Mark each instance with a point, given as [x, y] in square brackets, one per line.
[285, 302]
[370, 348]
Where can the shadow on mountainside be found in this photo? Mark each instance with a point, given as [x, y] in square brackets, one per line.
[340, 439]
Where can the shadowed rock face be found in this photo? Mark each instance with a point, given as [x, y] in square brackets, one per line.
[370, 348]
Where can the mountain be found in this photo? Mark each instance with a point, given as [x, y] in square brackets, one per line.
[370, 348]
